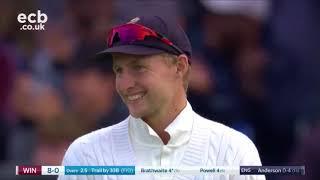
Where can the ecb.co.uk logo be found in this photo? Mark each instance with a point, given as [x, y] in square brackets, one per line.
[32, 21]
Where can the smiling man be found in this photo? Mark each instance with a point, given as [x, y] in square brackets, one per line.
[151, 62]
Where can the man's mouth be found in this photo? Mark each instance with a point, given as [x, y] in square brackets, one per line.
[135, 97]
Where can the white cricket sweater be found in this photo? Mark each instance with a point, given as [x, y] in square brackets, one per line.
[210, 144]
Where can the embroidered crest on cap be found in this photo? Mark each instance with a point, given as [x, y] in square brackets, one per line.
[134, 20]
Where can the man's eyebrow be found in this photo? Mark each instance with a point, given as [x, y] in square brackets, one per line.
[137, 60]
[133, 62]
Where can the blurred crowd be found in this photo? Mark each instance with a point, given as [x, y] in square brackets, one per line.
[255, 67]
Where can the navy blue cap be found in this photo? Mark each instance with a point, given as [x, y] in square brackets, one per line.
[167, 28]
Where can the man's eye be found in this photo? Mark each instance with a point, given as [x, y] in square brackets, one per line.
[139, 68]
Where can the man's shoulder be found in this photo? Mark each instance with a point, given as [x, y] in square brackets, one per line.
[223, 136]
[94, 136]
[228, 146]
[215, 127]
[98, 140]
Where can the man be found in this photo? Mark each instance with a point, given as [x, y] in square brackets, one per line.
[151, 62]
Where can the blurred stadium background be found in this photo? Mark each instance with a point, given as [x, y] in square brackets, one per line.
[256, 68]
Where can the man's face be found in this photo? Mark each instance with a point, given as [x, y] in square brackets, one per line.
[146, 84]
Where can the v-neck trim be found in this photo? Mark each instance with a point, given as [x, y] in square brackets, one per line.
[194, 155]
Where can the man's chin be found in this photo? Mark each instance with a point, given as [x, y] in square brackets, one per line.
[138, 111]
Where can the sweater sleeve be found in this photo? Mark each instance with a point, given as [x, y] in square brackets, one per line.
[92, 149]
[236, 149]
[250, 157]
[74, 156]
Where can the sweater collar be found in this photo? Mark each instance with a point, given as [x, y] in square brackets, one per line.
[179, 130]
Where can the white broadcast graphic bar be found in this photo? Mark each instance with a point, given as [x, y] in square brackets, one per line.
[192, 170]
[140, 170]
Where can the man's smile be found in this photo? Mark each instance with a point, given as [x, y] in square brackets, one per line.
[135, 97]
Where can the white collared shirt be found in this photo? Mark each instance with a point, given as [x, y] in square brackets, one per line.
[149, 148]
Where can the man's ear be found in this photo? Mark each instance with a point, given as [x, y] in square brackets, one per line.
[182, 65]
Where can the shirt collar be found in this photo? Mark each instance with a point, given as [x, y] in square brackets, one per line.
[179, 130]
